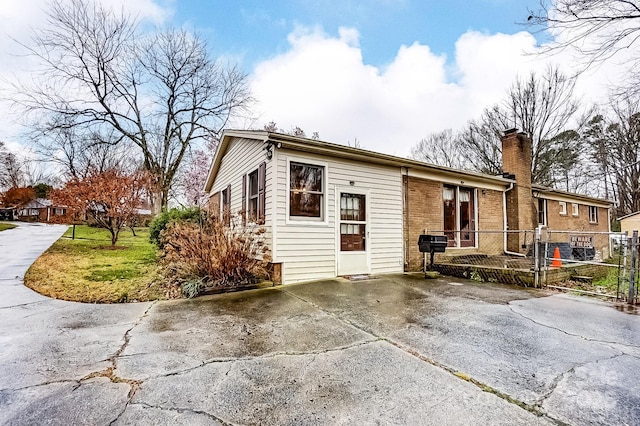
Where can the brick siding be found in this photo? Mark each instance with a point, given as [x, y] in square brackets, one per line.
[424, 212]
[521, 210]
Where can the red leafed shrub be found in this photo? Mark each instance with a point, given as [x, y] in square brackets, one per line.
[18, 196]
[111, 198]
[209, 254]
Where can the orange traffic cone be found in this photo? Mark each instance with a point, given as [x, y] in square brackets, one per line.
[556, 262]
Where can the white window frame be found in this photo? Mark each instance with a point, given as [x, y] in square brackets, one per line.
[324, 214]
[545, 211]
[476, 208]
[575, 209]
[593, 214]
[563, 208]
[252, 219]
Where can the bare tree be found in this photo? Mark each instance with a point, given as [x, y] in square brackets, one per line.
[355, 143]
[596, 29]
[272, 127]
[11, 169]
[80, 150]
[615, 149]
[162, 92]
[441, 148]
[480, 143]
[543, 107]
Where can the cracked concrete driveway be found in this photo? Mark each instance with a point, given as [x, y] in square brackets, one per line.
[393, 350]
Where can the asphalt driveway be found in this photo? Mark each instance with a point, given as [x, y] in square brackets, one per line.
[393, 350]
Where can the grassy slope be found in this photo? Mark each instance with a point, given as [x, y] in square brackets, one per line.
[5, 226]
[88, 269]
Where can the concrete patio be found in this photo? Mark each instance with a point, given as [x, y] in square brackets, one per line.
[393, 350]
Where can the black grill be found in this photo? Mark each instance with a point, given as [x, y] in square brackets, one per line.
[432, 244]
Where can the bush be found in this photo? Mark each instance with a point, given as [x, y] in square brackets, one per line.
[160, 222]
[208, 254]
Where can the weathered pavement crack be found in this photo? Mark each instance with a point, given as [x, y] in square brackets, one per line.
[108, 372]
[186, 410]
[52, 382]
[265, 356]
[558, 379]
[484, 387]
[127, 334]
[24, 304]
[603, 342]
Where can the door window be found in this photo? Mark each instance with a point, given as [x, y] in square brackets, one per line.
[352, 222]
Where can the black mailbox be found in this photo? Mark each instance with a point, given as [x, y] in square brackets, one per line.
[431, 244]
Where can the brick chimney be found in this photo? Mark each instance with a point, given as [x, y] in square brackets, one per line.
[521, 210]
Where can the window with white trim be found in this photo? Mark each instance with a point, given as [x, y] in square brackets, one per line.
[593, 214]
[459, 215]
[306, 191]
[575, 209]
[542, 212]
[563, 207]
[252, 210]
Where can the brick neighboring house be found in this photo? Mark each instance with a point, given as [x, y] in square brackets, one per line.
[332, 210]
[39, 210]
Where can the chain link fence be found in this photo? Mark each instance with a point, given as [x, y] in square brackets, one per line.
[494, 256]
[597, 263]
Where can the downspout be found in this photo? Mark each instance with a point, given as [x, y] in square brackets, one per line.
[274, 214]
[504, 219]
[405, 218]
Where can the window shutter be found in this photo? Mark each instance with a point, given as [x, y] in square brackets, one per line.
[262, 178]
[244, 200]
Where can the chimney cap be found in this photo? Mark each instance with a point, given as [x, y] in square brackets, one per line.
[510, 131]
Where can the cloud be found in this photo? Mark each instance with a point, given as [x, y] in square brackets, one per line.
[323, 84]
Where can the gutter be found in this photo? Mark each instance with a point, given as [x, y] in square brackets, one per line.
[504, 218]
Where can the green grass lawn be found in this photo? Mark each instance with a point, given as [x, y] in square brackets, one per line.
[88, 269]
[4, 226]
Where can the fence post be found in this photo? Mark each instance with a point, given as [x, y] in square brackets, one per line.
[632, 275]
[536, 255]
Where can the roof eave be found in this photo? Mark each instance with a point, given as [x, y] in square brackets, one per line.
[545, 190]
[358, 154]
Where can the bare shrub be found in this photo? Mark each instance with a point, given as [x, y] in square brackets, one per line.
[213, 255]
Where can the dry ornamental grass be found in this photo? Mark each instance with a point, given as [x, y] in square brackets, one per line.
[214, 255]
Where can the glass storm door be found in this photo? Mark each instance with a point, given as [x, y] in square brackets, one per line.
[459, 216]
[353, 233]
[467, 218]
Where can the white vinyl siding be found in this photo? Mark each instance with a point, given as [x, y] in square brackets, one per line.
[308, 251]
[242, 157]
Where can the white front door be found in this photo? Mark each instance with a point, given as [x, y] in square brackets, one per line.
[353, 232]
